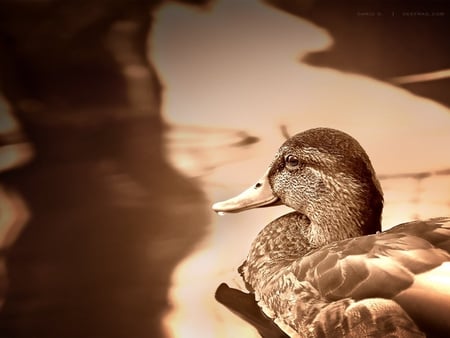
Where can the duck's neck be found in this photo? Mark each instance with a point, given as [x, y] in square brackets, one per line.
[356, 212]
[328, 228]
[325, 231]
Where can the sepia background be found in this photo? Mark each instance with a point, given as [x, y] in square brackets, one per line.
[121, 122]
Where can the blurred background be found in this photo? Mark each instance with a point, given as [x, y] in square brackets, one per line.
[122, 121]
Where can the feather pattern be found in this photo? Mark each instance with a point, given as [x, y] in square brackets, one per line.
[362, 272]
[326, 270]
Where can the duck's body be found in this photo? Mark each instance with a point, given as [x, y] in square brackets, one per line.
[308, 289]
[325, 270]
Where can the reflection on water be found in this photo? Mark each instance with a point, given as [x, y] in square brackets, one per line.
[115, 197]
[109, 217]
[239, 71]
[196, 151]
[15, 151]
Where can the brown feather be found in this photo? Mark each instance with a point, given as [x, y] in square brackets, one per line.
[325, 270]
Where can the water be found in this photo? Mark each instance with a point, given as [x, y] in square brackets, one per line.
[240, 79]
[92, 227]
[114, 200]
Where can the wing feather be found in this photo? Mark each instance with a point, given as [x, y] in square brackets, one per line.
[380, 265]
[395, 265]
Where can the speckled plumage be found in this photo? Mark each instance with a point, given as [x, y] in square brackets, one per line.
[354, 273]
[325, 270]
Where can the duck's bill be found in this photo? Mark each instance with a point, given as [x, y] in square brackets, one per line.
[257, 196]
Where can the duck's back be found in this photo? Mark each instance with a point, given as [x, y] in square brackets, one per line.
[365, 278]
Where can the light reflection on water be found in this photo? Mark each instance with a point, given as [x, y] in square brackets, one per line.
[227, 82]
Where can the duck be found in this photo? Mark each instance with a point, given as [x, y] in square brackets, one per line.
[327, 269]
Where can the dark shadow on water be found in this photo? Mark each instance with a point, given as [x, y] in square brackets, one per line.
[110, 218]
[95, 259]
[383, 39]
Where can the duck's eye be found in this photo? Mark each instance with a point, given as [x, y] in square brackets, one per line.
[292, 162]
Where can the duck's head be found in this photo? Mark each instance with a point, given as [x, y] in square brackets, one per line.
[323, 174]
